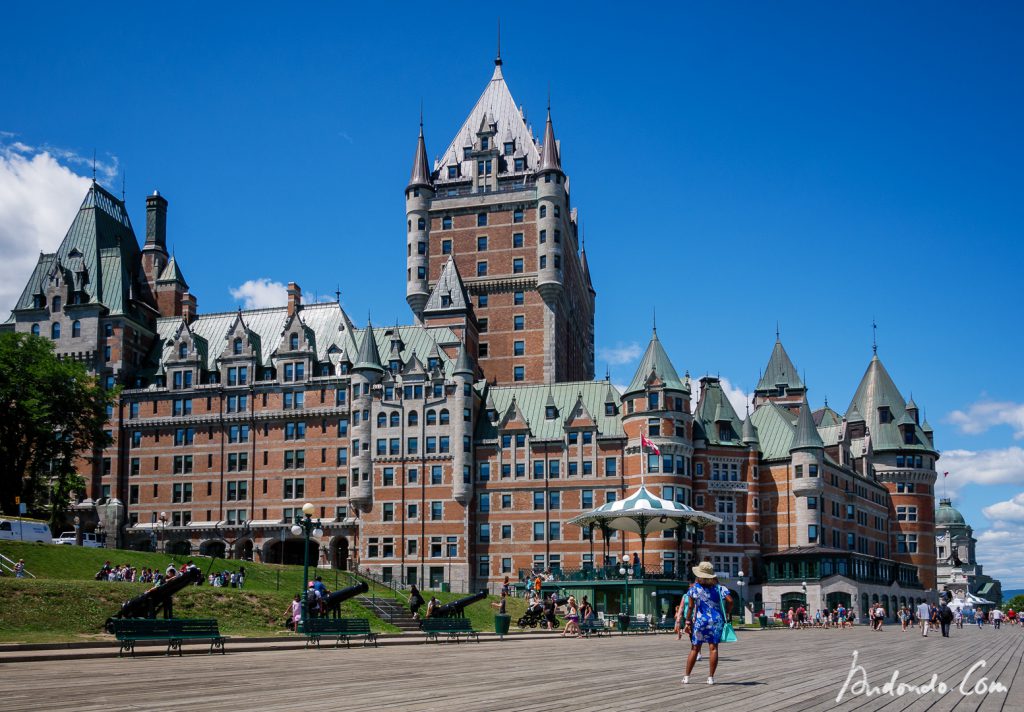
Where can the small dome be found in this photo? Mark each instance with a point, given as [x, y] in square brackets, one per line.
[947, 515]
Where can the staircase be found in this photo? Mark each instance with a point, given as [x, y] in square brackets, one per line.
[390, 610]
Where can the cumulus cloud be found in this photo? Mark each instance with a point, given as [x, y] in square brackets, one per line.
[983, 467]
[983, 415]
[39, 195]
[738, 397]
[999, 551]
[620, 354]
[260, 293]
[1011, 510]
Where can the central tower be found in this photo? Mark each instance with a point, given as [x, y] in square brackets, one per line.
[498, 203]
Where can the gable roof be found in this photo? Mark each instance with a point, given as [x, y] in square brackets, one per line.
[877, 390]
[532, 400]
[655, 359]
[450, 285]
[714, 408]
[172, 273]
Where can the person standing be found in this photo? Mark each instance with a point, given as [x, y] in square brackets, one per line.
[997, 618]
[924, 614]
[945, 618]
[707, 609]
[415, 601]
[19, 569]
[979, 618]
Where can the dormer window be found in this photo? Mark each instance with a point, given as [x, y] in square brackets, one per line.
[725, 432]
[432, 363]
[652, 401]
[909, 436]
[884, 414]
[467, 153]
[236, 347]
[485, 143]
[609, 409]
[509, 148]
[520, 165]
[781, 392]
[293, 342]
[56, 304]
[550, 412]
[182, 350]
[453, 172]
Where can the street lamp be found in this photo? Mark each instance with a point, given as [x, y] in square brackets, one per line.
[739, 591]
[163, 525]
[78, 541]
[624, 612]
[305, 526]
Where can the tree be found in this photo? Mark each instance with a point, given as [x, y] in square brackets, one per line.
[54, 413]
[1016, 603]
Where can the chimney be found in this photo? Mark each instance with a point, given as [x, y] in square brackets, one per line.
[156, 221]
[294, 298]
[188, 307]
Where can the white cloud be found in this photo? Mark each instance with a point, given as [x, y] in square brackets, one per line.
[999, 551]
[738, 397]
[620, 354]
[982, 467]
[38, 200]
[260, 293]
[986, 414]
[1010, 510]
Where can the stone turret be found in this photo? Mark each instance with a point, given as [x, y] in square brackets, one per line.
[462, 427]
[551, 214]
[367, 372]
[154, 252]
[807, 453]
[418, 195]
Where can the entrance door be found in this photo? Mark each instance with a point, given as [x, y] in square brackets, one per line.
[794, 600]
[834, 599]
[410, 576]
[436, 577]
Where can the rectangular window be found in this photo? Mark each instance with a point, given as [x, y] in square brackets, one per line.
[519, 373]
[518, 322]
[517, 265]
[436, 476]
[481, 243]
[446, 247]
[554, 500]
[481, 220]
[518, 298]
[481, 269]
[554, 531]
[538, 469]
[610, 466]
[538, 531]
[485, 533]
[538, 500]
[518, 348]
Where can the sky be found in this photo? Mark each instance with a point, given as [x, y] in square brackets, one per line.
[820, 166]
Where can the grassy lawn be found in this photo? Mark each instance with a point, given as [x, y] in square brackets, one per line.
[64, 602]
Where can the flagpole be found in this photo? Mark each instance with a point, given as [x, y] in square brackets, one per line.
[643, 456]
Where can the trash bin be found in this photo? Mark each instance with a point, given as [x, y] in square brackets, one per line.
[501, 624]
[445, 587]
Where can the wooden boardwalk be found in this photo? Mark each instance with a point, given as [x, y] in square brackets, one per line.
[770, 671]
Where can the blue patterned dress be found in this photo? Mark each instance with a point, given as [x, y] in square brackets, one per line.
[708, 620]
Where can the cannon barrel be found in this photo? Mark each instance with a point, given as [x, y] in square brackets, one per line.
[145, 605]
[343, 594]
[455, 608]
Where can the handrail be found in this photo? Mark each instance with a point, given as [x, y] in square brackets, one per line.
[4, 561]
[392, 585]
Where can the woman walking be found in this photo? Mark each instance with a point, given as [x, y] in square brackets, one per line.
[707, 610]
[572, 619]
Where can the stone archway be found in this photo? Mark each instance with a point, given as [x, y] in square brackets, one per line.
[181, 547]
[243, 550]
[339, 552]
[214, 548]
[289, 551]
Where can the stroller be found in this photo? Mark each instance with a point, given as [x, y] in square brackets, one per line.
[536, 616]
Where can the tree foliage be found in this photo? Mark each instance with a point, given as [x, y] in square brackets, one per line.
[1016, 603]
[54, 414]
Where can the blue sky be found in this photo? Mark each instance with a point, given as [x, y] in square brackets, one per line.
[816, 164]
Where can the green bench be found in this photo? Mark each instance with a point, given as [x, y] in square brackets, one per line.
[175, 631]
[452, 628]
[593, 626]
[346, 628]
[666, 624]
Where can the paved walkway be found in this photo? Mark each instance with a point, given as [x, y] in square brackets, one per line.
[768, 672]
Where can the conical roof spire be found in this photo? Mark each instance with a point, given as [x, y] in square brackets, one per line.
[462, 363]
[420, 171]
[780, 371]
[586, 268]
[806, 436]
[368, 357]
[656, 361]
[549, 159]
[749, 432]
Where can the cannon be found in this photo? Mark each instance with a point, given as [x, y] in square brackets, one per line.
[455, 608]
[159, 599]
[333, 601]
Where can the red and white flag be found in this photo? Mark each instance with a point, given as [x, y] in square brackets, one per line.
[648, 445]
[945, 474]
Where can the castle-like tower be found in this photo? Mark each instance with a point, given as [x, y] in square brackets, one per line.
[498, 203]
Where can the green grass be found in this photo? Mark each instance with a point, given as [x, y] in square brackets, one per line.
[65, 603]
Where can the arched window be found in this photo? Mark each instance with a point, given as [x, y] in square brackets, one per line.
[236, 347]
[431, 417]
[543, 211]
[444, 416]
[414, 418]
[409, 225]
[76, 328]
[293, 342]
[182, 350]
[56, 304]
[396, 419]
[55, 330]
[35, 330]
[558, 212]
[382, 420]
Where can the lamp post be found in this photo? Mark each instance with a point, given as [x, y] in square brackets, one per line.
[624, 612]
[739, 591]
[78, 541]
[163, 525]
[305, 526]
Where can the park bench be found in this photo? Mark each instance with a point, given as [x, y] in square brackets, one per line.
[639, 624]
[346, 628]
[593, 626]
[452, 628]
[174, 630]
[665, 624]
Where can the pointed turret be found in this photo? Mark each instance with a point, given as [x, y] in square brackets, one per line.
[172, 273]
[853, 415]
[885, 412]
[749, 432]
[463, 365]
[549, 159]
[656, 363]
[806, 436]
[449, 294]
[368, 357]
[420, 164]
[586, 271]
[780, 376]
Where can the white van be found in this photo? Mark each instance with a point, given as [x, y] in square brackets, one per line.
[19, 529]
[89, 540]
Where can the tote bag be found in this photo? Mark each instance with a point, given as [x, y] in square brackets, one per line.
[728, 634]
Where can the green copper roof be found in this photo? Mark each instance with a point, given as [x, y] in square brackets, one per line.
[172, 273]
[806, 436]
[532, 401]
[749, 432]
[368, 357]
[713, 411]
[655, 359]
[875, 392]
[98, 252]
[780, 371]
[826, 417]
[946, 515]
[774, 430]
[463, 365]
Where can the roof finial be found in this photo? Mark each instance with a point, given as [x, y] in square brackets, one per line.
[124, 180]
[337, 294]
[607, 373]
[654, 319]
[94, 165]
[421, 116]
[497, 59]
[776, 329]
[549, 99]
[826, 401]
[874, 336]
